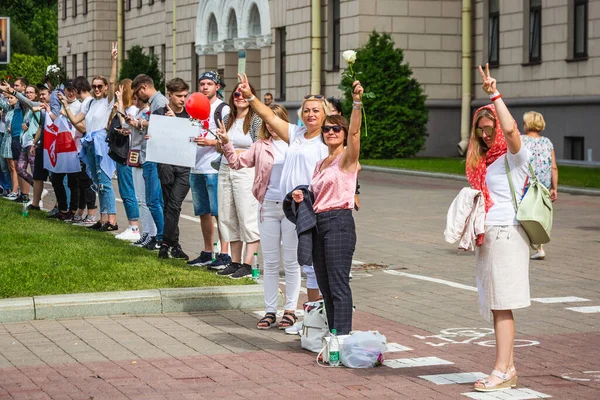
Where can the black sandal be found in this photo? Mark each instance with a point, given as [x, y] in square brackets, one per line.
[267, 322]
[289, 319]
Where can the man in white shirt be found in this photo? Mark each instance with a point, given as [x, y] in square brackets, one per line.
[204, 178]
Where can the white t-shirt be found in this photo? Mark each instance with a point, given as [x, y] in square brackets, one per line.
[75, 107]
[238, 138]
[273, 192]
[137, 135]
[503, 211]
[96, 115]
[206, 154]
[301, 159]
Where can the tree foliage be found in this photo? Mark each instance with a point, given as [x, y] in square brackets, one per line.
[138, 62]
[397, 116]
[31, 67]
[36, 20]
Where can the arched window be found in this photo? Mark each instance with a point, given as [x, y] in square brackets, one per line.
[232, 31]
[254, 29]
[213, 30]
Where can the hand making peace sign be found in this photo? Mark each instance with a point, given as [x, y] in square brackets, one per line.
[114, 52]
[489, 83]
[245, 86]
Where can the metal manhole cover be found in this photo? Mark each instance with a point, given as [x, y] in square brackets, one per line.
[368, 267]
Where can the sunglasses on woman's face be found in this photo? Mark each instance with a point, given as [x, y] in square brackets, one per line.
[313, 96]
[487, 129]
[334, 128]
[237, 95]
[97, 86]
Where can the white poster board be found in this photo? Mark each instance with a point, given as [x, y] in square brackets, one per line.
[172, 141]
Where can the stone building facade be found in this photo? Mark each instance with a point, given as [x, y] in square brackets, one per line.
[535, 46]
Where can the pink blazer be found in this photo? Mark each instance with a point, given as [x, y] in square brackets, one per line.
[259, 155]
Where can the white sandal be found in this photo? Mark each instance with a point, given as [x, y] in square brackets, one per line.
[508, 380]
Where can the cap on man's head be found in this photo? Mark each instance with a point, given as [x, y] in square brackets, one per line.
[213, 76]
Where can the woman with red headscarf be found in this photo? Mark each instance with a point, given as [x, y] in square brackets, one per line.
[503, 250]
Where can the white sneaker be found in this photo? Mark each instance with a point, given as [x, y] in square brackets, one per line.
[540, 255]
[294, 329]
[129, 235]
[12, 196]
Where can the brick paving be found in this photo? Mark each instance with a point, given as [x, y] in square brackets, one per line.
[222, 355]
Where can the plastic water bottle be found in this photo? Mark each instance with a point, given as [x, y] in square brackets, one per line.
[255, 268]
[334, 349]
[25, 211]
[215, 252]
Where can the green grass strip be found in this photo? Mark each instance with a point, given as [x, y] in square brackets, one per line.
[41, 256]
[581, 177]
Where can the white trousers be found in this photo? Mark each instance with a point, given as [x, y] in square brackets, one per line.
[274, 229]
[139, 184]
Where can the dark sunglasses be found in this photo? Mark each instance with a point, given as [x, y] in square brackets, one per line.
[489, 130]
[237, 94]
[313, 96]
[335, 128]
[97, 86]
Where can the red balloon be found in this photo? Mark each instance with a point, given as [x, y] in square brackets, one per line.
[198, 106]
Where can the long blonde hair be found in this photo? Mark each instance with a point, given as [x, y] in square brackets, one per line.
[279, 111]
[477, 148]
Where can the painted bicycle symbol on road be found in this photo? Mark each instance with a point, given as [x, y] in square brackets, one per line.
[468, 336]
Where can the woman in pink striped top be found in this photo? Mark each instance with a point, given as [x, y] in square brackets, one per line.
[333, 184]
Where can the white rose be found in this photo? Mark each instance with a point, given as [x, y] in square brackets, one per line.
[349, 56]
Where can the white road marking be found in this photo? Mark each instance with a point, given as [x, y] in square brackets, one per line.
[552, 300]
[356, 262]
[415, 362]
[429, 279]
[585, 310]
[447, 379]
[395, 348]
[510, 394]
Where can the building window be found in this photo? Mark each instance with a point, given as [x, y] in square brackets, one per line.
[151, 2]
[493, 33]
[333, 36]
[580, 29]
[280, 76]
[64, 64]
[64, 9]
[535, 30]
[151, 50]
[74, 64]
[127, 5]
[139, 3]
[85, 65]
[213, 30]
[195, 75]
[232, 29]
[163, 60]
[254, 29]
[574, 148]
[74, 9]
[85, 7]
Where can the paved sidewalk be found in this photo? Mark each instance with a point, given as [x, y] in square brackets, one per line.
[423, 301]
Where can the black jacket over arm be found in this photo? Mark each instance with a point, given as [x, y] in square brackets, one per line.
[304, 217]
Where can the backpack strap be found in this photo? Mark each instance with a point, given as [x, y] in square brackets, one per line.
[218, 114]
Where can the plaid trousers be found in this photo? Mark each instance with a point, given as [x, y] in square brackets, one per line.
[334, 241]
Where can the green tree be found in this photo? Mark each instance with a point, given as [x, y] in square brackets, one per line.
[32, 67]
[397, 116]
[20, 43]
[138, 62]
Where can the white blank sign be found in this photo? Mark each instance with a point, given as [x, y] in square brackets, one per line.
[171, 141]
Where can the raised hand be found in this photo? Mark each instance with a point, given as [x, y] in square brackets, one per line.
[169, 112]
[489, 83]
[222, 133]
[119, 93]
[115, 50]
[245, 86]
[62, 99]
[357, 91]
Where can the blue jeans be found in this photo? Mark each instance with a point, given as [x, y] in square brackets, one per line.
[127, 192]
[205, 194]
[154, 197]
[102, 182]
[5, 181]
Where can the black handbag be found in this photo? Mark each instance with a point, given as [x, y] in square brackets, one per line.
[118, 144]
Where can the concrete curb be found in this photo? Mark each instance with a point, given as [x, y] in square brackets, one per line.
[153, 301]
[400, 171]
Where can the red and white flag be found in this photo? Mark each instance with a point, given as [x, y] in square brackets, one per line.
[60, 151]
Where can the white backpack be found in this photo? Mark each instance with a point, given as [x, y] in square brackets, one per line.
[314, 326]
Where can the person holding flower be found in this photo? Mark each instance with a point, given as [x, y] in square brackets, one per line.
[306, 149]
[503, 252]
[333, 184]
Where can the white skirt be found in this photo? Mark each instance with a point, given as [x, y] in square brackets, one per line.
[503, 269]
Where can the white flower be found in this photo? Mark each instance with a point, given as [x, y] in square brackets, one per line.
[349, 56]
[52, 68]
